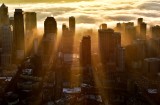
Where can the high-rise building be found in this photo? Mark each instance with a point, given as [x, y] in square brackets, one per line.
[67, 39]
[50, 26]
[4, 18]
[85, 51]
[140, 21]
[65, 30]
[155, 31]
[18, 39]
[72, 24]
[7, 45]
[30, 21]
[118, 27]
[109, 41]
[49, 39]
[141, 29]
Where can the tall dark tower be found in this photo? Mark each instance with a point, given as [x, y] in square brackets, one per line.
[49, 40]
[4, 18]
[72, 24]
[30, 29]
[85, 51]
[141, 28]
[50, 26]
[140, 21]
[19, 43]
[30, 21]
[109, 41]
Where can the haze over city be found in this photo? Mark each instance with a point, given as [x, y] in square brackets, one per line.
[90, 13]
[74, 52]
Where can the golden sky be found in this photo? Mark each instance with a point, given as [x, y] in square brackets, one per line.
[90, 13]
[38, 1]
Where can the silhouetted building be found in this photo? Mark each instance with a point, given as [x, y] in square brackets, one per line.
[72, 24]
[140, 21]
[141, 29]
[7, 45]
[67, 38]
[65, 30]
[155, 31]
[136, 53]
[18, 39]
[128, 31]
[30, 31]
[30, 21]
[50, 26]
[118, 27]
[4, 18]
[85, 51]
[49, 39]
[109, 41]
[103, 26]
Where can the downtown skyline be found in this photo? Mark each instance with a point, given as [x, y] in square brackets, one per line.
[105, 54]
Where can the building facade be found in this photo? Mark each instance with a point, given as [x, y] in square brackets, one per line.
[19, 42]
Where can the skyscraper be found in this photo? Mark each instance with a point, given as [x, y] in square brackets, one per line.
[72, 24]
[105, 42]
[109, 41]
[30, 21]
[141, 29]
[49, 39]
[50, 26]
[65, 30]
[30, 30]
[85, 51]
[140, 21]
[7, 45]
[4, 18]
[19, 42]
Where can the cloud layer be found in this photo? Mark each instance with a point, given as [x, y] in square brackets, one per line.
[91, 13]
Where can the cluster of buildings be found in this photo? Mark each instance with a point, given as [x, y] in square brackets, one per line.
[64, 70]
[17, 35]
